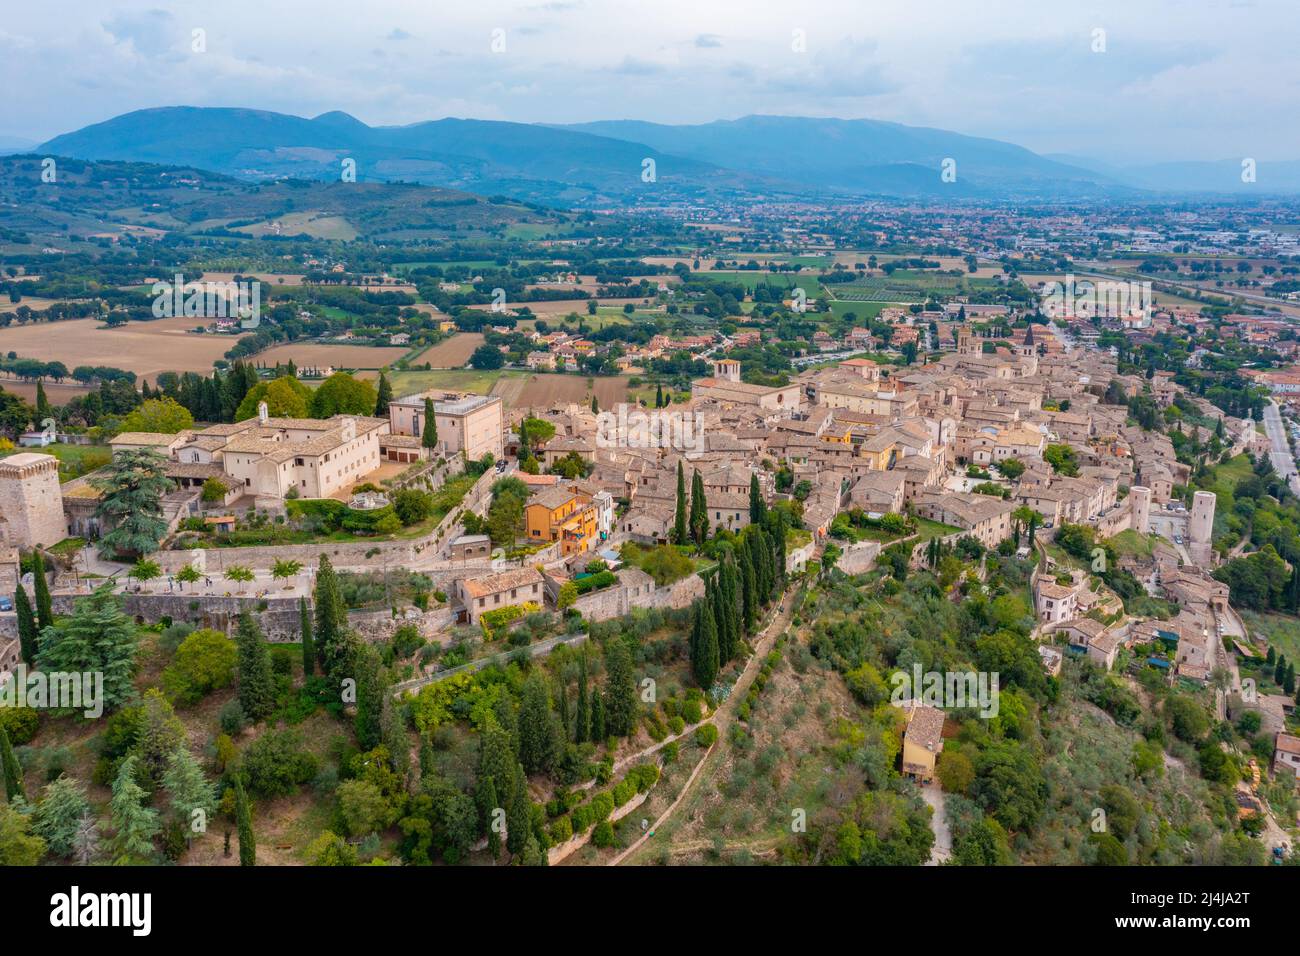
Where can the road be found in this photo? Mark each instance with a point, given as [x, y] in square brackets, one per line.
[1281, 455]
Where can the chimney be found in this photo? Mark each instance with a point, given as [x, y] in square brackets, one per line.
[262, 413]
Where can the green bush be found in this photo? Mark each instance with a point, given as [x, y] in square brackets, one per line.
[603, 836]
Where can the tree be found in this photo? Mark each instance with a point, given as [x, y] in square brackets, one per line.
[164, 416]
[189, 575]
[256, 682]
[620, 690]
[214, 490]
[9, 766]
[704, 644]
[244, 822]
[371, 689]
[341, 394]
[283, 570]
[145, 570]
[429, 436]
[334, 645]
[18, 846]
[95, 637]
[487, 357]
[240, 574]
[285, 397]
[205, 661]
[537, 727]
[680, 530]
[699, 510]
[308, 648]
[130, 504]
[581, 711]
[757, 506]
[193, 798]
[383, 395]
[134, 824]
[412, 506]
[1028, 518]
[27, 630]
[41, 585]
[58, 816]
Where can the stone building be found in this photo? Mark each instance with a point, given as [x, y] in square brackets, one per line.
[31, 501]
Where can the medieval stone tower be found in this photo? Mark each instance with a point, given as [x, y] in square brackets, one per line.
[31, 501]
[726, 370]
[1140, 502]
[1200, 529]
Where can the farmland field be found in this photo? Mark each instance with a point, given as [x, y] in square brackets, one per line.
[516, 389]
[451, 353]
[319, 354]
[146, 348]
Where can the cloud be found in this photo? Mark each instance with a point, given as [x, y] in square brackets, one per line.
[398, 33]
[708, 41]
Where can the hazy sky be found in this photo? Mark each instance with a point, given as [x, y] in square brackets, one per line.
[1195, 79]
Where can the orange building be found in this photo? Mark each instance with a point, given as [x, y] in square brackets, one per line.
[559, 514]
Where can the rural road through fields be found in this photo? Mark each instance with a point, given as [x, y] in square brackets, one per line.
[723, 716]
[1281, 455]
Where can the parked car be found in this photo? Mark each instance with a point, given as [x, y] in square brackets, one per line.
[6, 604]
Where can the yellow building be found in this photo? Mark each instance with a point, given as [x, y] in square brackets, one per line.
[922, 741]
[559, 514]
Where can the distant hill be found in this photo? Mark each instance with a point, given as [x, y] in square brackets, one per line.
[112, 197]
[592, 163]
[514, 159]
[864, 156]
[1196, 176]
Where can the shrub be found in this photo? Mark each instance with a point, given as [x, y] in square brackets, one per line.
[706, 736]
[603, 836]
[276, 764]
[204, 662]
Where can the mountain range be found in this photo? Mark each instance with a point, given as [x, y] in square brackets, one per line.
[625, 162]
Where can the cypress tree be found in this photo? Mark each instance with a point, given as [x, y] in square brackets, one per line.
[519, 815]
[536, 726]
[26, 625]
[680, 532]
[581, 715]
[704, 650]
[384, 396]
[598, 729]
[331, 617]
[371, 690]
[748, 587]
[44, 608]
[620, 690]
[308, 648]
[13, 771]
[1288, 679]
[429, 438]
[757, 507]
[256, 683]
[699, 510]
[718, 611]
[728, 619]
[244, 821]
[659, 396]
[487, 798]
[1279, 670]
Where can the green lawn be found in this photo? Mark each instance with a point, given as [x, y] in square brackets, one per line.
[453, 379]
[74, 460]
[1130, 542]
[1280, 630]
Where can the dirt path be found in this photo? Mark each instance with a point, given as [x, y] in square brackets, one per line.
[723, 716]
[941, 852]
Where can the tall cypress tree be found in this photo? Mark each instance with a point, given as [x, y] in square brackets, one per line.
[725, 612]
[244, 821]
[748, 586]
[599, 731]
[308, 647]
[384, 395]
[699, 510]
[331, 617]
[581, 715]
[620, 690]
[26, 625]
[704, 644]
[680, 531]
[13, 771]
[429, 438]
[757, 507]
[44, 608]
[256, 683]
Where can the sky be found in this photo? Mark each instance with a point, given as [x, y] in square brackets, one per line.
[1123, 82]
